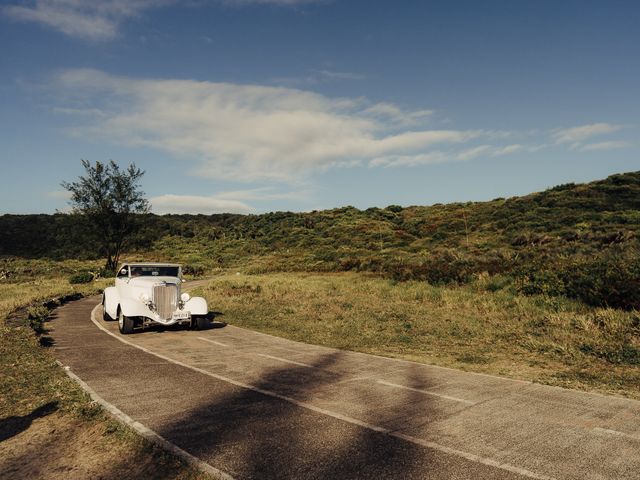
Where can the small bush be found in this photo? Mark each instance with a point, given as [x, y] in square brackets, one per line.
[543, 282]
[395, 208]
[37, 316]
[622, 354]
[106, 273]
[81, 277]
[612, 280]
[195, 270]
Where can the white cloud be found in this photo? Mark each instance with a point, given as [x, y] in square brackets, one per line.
[270, 2]
[441, 157]
[88, 19]
[232, 201]
[611, 145]
[333, 75]
[576, 135]
[100, 19]
[80, 111]
[59, 194]
[389, 112]
[263, 193]
[411, 160]
[315, 77]
[488, 151]
[194, 204]
[250, 132]
[507, 150]
[471, 153]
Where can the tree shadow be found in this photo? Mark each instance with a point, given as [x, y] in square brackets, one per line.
[252, 435]
[12, 426]
[270, 431]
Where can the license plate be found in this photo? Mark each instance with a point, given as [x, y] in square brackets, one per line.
[180, 315]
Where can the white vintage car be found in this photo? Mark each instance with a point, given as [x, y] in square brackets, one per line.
[149, 294]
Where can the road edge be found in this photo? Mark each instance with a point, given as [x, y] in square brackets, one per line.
[144, 431]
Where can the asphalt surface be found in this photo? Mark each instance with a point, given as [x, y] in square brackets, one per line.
[257, 406]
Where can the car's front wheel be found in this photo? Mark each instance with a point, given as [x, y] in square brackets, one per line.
[125, 324]
[201, 323]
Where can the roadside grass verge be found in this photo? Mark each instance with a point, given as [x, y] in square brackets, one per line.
[67, 432]
[550, 340]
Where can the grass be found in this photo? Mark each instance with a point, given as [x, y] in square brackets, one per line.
[476, 327]
[30, 377]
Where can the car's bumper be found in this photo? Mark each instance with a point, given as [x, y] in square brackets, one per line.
[179, 316]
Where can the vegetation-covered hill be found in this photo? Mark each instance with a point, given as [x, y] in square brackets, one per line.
[581, 240]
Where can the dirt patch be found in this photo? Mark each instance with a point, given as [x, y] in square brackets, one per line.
[59, 447]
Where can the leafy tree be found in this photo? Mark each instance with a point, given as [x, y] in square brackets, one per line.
[110, 200]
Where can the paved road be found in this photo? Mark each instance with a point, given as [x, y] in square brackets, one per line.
[257, 406]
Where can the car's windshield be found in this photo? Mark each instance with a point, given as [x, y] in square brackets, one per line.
[153, 271]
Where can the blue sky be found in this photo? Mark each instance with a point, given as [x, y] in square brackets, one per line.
[258, 105]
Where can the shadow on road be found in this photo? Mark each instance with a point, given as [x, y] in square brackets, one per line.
[254, 436]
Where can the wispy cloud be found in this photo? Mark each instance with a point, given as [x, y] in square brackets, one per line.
[330, 74]
[575, 137]
[59, 194]
[194, 204]
[389, 112]
[252, 132]
[442, 157]
[489, 151]
[611, 145]
[92, 112]
[230, 201]
[284, 3]
[100, 19]
[88, 19]
[315, 77]
[262, 194]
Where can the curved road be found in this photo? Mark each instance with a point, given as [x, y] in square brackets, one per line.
[257, 406]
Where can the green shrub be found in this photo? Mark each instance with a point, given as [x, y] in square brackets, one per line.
[542, 282]
[37, 316]
[81, 277]
[611, 279]
[195, 270]
[497, 282]
[627, 354]
[395, 208]
[106, 273]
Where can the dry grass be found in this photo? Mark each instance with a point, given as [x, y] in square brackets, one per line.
[544, 339]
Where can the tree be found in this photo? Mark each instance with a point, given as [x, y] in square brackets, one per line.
[111, 201]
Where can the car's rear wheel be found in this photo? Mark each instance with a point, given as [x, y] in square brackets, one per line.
[201, 323]
[125, 324]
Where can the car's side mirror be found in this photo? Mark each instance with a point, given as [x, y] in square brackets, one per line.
[183, 280]
[123, 271]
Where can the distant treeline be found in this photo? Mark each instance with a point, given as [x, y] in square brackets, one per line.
[573, 239]
[62, 236]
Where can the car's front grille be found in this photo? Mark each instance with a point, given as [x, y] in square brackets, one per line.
[165, 299]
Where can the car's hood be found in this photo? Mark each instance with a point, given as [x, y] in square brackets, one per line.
[150, 281]
[139, 285]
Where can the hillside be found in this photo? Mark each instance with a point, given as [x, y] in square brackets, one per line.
[571, 239]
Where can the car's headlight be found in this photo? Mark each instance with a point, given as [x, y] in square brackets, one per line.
[144, 298]
[185, 297]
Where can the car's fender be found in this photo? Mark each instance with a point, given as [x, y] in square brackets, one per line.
[111, 301]
[133, 308]
[197, 306]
